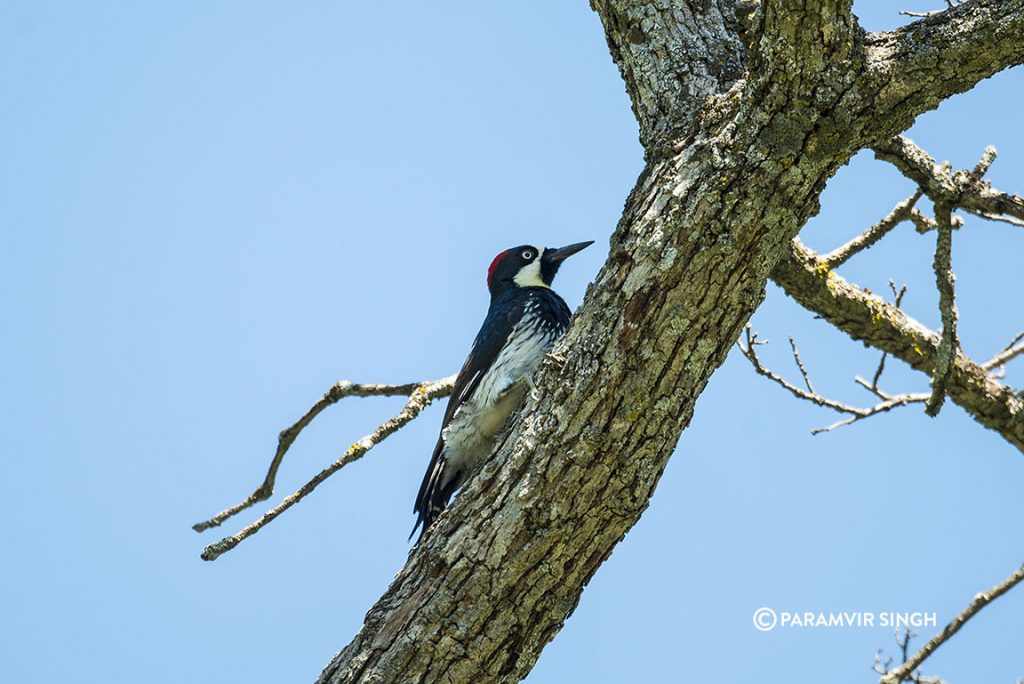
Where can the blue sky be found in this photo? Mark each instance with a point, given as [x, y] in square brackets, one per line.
[212, 211]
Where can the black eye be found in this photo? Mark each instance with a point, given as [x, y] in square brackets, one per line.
[527, 254]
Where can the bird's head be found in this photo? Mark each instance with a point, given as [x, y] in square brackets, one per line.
[528, 266]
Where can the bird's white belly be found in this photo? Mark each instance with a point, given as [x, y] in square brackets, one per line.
[470, 434]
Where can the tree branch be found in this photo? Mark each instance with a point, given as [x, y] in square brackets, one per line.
[1009, 353]
[339, 391]
[854, 413]
[949, 346]
[947, 190]
[915, 67]
[865, 317]
[420, 397]
[904, 671]
[963, 189]
[900, 213]
[897, 300]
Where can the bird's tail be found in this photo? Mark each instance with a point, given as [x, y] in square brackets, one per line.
[437, 488]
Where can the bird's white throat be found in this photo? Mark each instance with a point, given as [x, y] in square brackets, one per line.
[529, 275]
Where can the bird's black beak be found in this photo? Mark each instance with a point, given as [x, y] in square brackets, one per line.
[557, 256]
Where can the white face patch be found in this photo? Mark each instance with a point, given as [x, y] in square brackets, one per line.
[529, 275]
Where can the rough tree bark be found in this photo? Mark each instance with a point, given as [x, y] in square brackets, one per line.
[745, 111]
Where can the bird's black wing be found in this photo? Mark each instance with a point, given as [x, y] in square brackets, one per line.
[493, 335]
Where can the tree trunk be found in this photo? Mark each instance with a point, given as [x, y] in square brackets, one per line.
[743, 119]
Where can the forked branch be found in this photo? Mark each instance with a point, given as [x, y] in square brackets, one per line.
[812, 281]
[904, 671]
[339, 391]
[854, 413]
[420, 396]
[961, 189]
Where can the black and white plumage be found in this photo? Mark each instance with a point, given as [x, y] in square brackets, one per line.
[524, 320]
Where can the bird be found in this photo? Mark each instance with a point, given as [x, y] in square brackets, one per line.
[524, 319]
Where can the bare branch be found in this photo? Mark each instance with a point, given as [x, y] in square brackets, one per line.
[1009, 353]
[339, 391]
[871, 387]
[864, 316]
[917, 66]
[922, 223]
[800, 365]
[983, 165]
[903, 639]
[879, 666]
[949, 5]
[932, 13]
[885, 406]
[901, 212]
[898, 295]
[854, 413]
[902, 673]
[963, 189]
[949, 347]
[809, 395]
[1001, 219]
[419, 399]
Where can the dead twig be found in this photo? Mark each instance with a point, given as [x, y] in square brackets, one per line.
[903, 639]
[420, 396]
[339, 391]
[1009, 353]
[963, 189]
[800, 365]
[854, 413]
[904, 671]
[898, 298]
[900, 213]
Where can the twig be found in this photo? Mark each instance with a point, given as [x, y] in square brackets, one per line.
[800, 365]
[922, 222]
[920, 15]
[879, 666]
[854, 413]
[419, 398]
[1002, 219]
[903, 639]
[963, 189]
[881, 363]
[339, 391]
[883, 407]
[902, 673]
[864, 317]
[1009, 353]
[900, 213]
[949, 346]
[987, 157]
[871, 387]
[814, 397]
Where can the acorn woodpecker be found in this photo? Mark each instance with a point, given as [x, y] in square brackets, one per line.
[523, 321]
